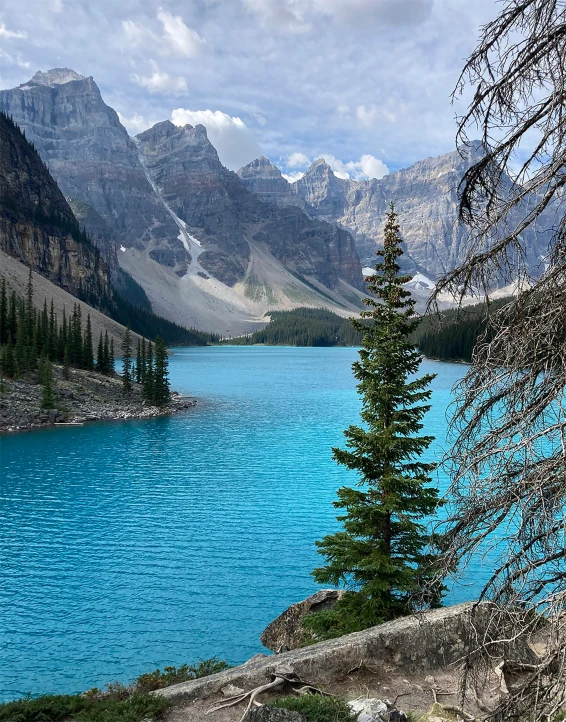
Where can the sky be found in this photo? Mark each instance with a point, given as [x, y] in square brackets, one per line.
[365, 84]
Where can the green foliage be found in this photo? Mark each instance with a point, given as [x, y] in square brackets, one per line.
[452, 335]
[173, 675]
[118, 703]
[56, 708]
[303, 327]
[46, 377]
[317, 707]
[382, 552]
[156, 375]
[127, 362]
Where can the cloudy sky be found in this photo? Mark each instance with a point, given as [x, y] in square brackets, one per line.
[364, 83]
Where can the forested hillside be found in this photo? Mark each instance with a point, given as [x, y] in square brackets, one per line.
[303, 327]
[449, 336]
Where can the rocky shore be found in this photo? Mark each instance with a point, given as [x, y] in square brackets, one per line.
[84, 396]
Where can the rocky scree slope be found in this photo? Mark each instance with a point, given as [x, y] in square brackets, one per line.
[223, 214]
[37, 226]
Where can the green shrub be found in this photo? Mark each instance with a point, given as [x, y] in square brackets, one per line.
[173, 675]
[117, 703]
[55, 708]
[348, 615]
[318, 708]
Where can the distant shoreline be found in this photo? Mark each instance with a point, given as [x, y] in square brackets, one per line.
[84, 397]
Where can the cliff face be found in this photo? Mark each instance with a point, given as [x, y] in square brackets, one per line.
[425, 197]
[38, 227]
[90, 155]
[225, 215]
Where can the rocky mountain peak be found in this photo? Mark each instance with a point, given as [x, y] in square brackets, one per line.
[261, 167]
[55, 76]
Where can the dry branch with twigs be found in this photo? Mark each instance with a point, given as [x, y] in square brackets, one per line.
[508, 463]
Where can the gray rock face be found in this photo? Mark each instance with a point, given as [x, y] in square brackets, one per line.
[90, 155]
[37, 225]
[131, 187]
[286, 632]
[425, 197]
[224, 215]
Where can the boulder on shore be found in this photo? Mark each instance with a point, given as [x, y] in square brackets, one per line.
[286, 632]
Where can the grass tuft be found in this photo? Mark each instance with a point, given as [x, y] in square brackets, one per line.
[318, 708]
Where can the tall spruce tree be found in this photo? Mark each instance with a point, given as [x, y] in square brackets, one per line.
[147, 389]
[381, 554]
[160, 391]
[88, 354]
[4, 331]
[127, 362]
[138, 364]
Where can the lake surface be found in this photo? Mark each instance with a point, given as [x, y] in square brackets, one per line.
[126, 546]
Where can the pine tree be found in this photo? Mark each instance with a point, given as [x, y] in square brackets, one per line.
[138, 364]
[147, 390]
[47, 397]
[111, 358]
[106, 355]
[100, 355]
[143, 361]
[127, 362]
[9, 367]
[160, 391]
[88, 355]
[66, 363]
[4, 330]
[53, 336]
[381, 553]
[13, 317]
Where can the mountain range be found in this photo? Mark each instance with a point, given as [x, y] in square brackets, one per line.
[208, 252]
[215, 250]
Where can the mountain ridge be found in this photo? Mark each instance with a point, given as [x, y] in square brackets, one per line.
[128, 184]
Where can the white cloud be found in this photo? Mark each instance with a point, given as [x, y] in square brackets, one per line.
[136, 124]
[161, 82]
[234, 141]
[178, 38]
[302, 15]
[293, 177]
[279, 14]
[360, 13]
[298, 160]
[5, 33]
[390, 112]
[367, 167]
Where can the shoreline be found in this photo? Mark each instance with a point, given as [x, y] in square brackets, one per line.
[84, 397]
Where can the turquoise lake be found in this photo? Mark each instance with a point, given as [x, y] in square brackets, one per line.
[127, 546]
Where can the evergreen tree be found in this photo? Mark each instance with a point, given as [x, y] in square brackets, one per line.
[143, 360]
[147, 389]
[53, 336]
[13, 317]
[138, 364]
[127, 362]
[47, 397]
[106, 355]
[111, 358]
[88, 355]
[160, 391]
[29, 308]
[66, 363]
[9, 367]
[100, 355]
[4, 331]
[381, 553]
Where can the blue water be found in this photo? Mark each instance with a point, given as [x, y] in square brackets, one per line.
[128, 546]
